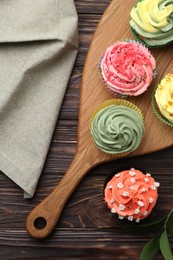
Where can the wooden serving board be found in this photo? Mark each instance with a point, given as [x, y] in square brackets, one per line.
[113, 26]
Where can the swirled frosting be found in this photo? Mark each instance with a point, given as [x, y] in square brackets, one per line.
[164, 97]
[117, 129]
[127, 68]
[153, 21]
[131, 194]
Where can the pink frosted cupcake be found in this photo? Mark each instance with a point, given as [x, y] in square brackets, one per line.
[127, 68]
[131, 194]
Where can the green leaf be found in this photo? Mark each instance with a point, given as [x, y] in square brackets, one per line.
[165, 247]
[150, 250]
[153, 226]
[170, 224]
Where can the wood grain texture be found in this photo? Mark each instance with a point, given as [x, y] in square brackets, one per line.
[93, 93]
[86, 229]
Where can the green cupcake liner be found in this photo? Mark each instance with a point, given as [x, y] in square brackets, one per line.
[156, 110]
[135, 35]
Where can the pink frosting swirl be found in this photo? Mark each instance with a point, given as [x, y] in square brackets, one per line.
[127, 68]
[131, 194]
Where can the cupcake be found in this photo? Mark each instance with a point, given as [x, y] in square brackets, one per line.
[131, 194]
[152, 22]
[127, 68]
[117, 127]
[163, 100]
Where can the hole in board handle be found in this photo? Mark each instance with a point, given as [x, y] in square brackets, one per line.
[40, 223]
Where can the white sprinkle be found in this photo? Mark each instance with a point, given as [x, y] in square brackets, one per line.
[144, 189]
[132, 169]
[110, 186]
[117, 175]
[133, 187]
[120, 185]
[145, 213]
[132, 180]
[151, 200]
[157, 184]
[130, 218]
[126, 193]
[113, 210]
[121, 217]
[153, 187]
[112, 200]
[137, 220]
[132, 173]
[137, 211]
[146, 179]
[121, 207]
[140, 203]
[148, 174]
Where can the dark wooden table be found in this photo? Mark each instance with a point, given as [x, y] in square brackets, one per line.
[86, 230]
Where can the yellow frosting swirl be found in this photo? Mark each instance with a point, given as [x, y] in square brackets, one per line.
[153, 20]
[164, 97]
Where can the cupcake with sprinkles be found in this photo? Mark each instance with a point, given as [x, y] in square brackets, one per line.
[127, 68]
[131, 194]
[117, 127]
[162, 100]
[152, 22]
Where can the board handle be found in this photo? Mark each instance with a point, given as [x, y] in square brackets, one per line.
[44, 217]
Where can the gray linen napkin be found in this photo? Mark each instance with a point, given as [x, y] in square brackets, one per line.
[38, 47]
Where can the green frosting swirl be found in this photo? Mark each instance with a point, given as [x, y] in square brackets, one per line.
[152, 20]
[117, 129]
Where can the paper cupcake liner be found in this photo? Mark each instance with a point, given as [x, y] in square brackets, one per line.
[135, 35]
[137, 42]
[117, 101]
[121, 102]
[116, 94]
[157, 111]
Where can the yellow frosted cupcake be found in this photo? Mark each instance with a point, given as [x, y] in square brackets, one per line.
[163, 100]
[152, 22]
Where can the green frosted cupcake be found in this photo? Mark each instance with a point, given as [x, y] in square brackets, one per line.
[117, 127]
[152, 22]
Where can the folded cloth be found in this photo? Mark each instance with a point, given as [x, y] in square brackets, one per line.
[38, 47]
